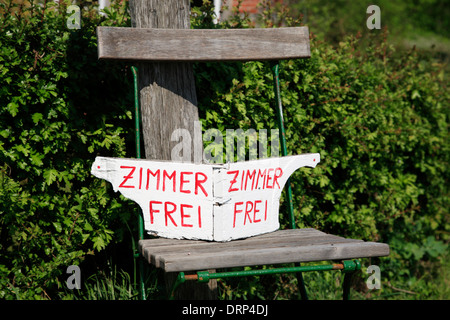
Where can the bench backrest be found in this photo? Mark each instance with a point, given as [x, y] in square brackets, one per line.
[192, 45]
[203, 44]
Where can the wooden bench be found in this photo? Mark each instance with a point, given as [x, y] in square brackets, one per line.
[192, 259]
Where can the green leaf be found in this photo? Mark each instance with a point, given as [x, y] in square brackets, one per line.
[13, 108]
[36, 159]
[37, 117]
[5, 133]
[88, 226]
[50, 176]
[57, 226]
[99, 243]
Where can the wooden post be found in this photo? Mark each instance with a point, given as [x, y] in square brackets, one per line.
[168, 102]
[167, 89]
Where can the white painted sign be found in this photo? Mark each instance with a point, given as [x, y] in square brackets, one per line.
[204, 201]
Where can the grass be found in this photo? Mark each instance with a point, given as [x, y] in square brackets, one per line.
[115, 285]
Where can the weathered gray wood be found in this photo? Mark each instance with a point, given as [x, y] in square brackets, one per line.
[287, 233]
[226, 259]
[268, 239]
[156, 255]
[283, 246]
[203, 44]
[251, 254]
[167, 90]
[273, 239]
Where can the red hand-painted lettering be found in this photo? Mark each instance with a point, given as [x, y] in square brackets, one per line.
[235, 172]
[127, 177]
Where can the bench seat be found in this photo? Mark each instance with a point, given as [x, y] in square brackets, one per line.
[282, 246]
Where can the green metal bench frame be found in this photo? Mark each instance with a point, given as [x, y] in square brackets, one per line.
[347, 267]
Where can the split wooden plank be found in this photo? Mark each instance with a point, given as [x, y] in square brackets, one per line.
[154, 44]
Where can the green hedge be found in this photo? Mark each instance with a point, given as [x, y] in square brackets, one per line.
[378, 120]
[60, 108]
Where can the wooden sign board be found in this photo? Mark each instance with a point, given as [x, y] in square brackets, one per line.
[217, 202]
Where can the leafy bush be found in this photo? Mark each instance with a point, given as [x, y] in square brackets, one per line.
[60, 107]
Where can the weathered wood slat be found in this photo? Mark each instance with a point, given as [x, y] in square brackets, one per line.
[283, 246]
[152, 44]
[157, 255]
[309, 253]
[271, 235]
[279, 238]
[160, 259]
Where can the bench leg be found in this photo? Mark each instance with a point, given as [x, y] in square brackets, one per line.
[301, 285]
[139, 259]
[350, 268]
[346, 286]
[141, 280]
[180, 279]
